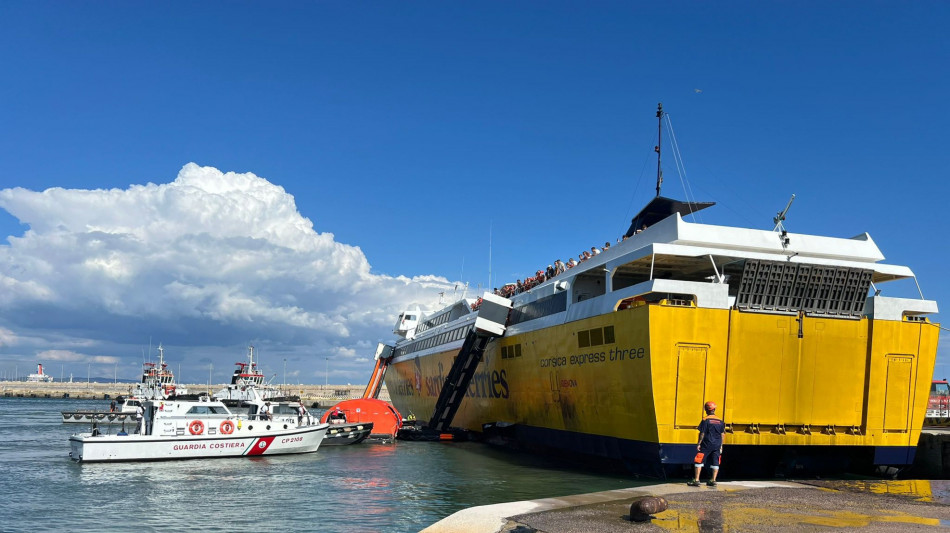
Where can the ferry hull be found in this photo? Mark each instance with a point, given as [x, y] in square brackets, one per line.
[112, 448]
[665, 459]
[629, 386]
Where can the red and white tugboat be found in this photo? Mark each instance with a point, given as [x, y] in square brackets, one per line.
[157, 383]
[179, 428]
[248, 377]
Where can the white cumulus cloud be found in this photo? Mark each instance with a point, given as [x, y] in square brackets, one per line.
[210, 259]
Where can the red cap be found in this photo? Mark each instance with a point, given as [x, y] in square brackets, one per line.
[710, 407]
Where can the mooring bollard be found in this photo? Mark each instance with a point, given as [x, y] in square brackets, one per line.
[643, 507]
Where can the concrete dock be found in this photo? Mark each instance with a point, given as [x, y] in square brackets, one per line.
[915, 504]
[909, 505]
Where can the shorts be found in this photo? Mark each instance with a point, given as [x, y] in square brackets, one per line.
[713, 457]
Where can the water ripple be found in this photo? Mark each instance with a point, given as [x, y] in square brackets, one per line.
[365, 487]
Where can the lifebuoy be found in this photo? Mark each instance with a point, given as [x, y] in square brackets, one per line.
[227, 427]
[196, 427]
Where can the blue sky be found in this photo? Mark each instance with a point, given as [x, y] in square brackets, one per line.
[411, 133]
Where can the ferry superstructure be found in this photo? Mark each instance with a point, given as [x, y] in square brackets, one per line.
[793, 335]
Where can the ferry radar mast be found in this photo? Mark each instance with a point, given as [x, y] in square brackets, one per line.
[660, 207]
[658, 147]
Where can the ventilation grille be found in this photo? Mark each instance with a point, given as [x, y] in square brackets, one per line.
[818, 290]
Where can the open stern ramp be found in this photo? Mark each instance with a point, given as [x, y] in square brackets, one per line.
[491, 322]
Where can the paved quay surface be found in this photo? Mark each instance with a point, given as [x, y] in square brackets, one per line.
[906, 505]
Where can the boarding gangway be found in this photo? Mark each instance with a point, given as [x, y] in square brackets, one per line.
[491, 322]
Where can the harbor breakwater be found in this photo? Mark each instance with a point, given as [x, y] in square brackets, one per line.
[318, 396]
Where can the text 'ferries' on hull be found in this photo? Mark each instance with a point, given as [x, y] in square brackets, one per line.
[813, 367]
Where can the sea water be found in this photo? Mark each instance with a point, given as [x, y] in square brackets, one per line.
[405, 486]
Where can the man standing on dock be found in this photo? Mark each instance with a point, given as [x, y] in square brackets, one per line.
[709, 447]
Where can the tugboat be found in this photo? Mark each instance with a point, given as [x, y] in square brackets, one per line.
[247, 387]
[158, 382]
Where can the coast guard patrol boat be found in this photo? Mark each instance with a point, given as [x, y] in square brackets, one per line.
[201, 428]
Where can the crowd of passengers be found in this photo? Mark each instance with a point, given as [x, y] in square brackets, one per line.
[540, 276]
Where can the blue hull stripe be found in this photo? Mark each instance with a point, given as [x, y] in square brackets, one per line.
[655, 458]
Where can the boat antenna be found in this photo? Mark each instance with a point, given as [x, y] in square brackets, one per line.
[659, 143]
[490, 222]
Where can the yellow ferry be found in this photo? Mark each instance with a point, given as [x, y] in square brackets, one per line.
[813, 365]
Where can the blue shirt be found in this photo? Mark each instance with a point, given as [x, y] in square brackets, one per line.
[711, 428]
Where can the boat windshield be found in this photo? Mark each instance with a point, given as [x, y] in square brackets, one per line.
[284, 409]
[207, 410]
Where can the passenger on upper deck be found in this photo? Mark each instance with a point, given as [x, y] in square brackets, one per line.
[550, 272]
[606, 246]
[571, 263]
[594, 251]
